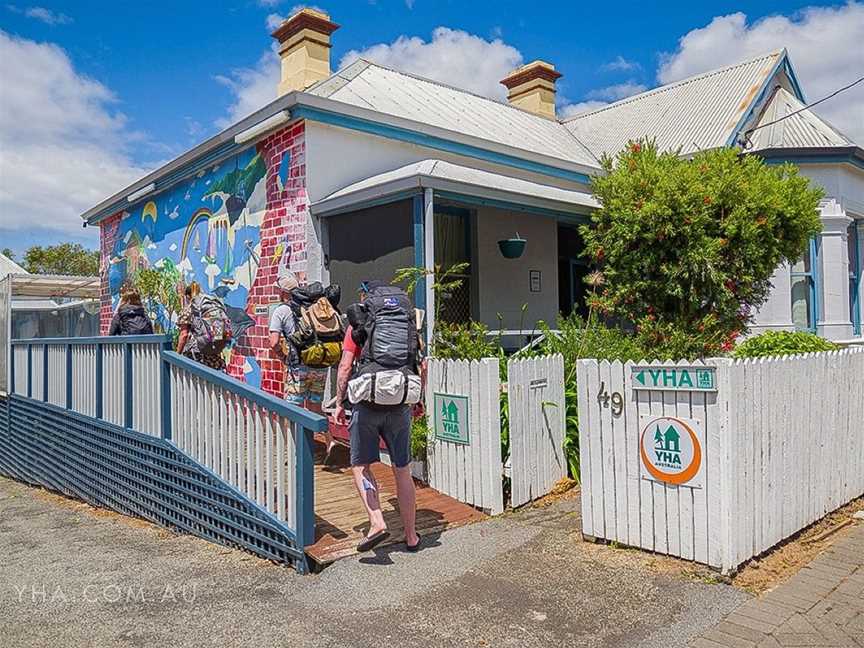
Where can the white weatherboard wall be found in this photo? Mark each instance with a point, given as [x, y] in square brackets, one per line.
[537, 410]
[471, 472]
[782, 442]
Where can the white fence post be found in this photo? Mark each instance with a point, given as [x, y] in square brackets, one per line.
[466, 465]
[538, 412]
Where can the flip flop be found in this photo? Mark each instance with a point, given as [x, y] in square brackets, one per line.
[369, 543]
[416, 547]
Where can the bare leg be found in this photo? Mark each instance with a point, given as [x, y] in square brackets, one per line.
[314, 406]
[407, 502]
[363, 478]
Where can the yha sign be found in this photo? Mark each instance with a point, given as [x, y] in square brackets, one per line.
[670, 450]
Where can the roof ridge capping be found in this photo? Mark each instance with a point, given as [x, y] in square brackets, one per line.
[777, 54]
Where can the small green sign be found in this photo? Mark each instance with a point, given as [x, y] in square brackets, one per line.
[450, 414]
[675, 378]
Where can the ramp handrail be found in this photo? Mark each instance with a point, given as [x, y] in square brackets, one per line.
[257, 444]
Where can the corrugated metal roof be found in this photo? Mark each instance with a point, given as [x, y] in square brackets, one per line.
[378, 88]
[8, 266]
[439, 174]
[802, 130]
[701, 112]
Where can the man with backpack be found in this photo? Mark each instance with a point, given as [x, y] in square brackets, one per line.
[379, 374]
[306, 334]
[205, 328]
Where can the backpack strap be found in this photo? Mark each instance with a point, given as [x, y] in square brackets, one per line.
[372, 391]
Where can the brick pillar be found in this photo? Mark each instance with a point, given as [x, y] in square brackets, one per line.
[108, 230]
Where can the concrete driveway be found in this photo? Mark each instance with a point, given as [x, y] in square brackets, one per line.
[75, 576]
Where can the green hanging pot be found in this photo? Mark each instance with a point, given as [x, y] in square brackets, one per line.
[512, 248]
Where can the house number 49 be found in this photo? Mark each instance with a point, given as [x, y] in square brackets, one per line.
[617, 400]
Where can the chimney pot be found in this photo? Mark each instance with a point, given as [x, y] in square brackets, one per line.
[304, 47]
[532, 88]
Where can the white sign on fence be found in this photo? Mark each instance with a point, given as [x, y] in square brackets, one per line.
[670, 450]
[674, 378]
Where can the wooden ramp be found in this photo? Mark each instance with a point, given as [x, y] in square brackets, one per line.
[340, 519]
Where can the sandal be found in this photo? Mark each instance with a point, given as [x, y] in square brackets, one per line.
[415, 547]
[370, 542]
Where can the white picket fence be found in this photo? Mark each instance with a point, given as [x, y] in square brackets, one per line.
[469, 472]
[81, 367]
[243, 442]
[782, 444]
[537, 413]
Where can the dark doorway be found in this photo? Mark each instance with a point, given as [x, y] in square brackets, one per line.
[572, 269]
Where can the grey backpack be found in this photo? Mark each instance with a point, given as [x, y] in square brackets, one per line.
[210, 326]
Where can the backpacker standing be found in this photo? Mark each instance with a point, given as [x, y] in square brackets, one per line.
[306, 334]
[205, 329]
[130, 318]
[379, 373]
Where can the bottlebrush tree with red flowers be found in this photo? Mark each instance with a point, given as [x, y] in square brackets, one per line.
[687, 247]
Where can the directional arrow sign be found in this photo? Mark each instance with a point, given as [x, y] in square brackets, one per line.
[674, 378]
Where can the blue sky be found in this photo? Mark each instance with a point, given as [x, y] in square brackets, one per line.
[146, 80]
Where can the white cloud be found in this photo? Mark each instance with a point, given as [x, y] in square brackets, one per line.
[617, 91]
[65, 147]
[41, 13]
[453, 56]
[620, 64]
[409, 4]
[268, 3]
[569, 110]
[824, 43]
[253, 88]
[273, 20]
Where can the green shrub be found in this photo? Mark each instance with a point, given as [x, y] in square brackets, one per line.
[687, 246]
[419, 437]
[463, 342]
[779, 343]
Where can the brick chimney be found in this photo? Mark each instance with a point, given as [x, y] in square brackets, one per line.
[532, 87]
[304, 47]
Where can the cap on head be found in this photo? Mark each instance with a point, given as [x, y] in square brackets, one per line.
[287, 282]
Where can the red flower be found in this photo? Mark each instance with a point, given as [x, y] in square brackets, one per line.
[707, 200]
[599, 254]
[635, 147]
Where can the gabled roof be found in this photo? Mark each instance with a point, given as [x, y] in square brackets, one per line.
[701, 112]
[804, 129]
[455, 179]
[372, 86]
[8, 266]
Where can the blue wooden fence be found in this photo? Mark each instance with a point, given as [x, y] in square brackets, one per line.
[124, 423]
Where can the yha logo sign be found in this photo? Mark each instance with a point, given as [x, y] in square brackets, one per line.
[670, 450]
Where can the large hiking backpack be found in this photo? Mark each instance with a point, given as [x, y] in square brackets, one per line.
[211, 327]
[319, 329]
[385, 328]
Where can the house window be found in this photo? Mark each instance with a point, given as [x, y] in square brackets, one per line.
[804, 297]
[855, 263]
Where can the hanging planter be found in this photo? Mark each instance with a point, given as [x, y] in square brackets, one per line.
[512, 248]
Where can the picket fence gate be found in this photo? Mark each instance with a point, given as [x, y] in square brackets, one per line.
[782, 444]
[538, 416]
[470, 469]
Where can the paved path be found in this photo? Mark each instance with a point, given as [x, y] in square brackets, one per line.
[822, 605]
[70, 576]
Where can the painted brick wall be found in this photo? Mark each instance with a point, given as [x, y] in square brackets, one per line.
[284, 222]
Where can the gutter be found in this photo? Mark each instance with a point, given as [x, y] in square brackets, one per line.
[300, 105]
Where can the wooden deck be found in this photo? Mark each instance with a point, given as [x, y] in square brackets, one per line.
[340, 519]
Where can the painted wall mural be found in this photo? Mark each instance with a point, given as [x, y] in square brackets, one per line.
[232, 228]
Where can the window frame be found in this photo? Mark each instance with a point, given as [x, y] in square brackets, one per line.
[812, 278]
